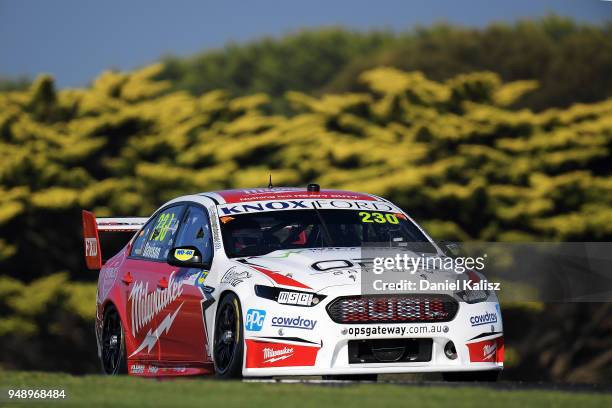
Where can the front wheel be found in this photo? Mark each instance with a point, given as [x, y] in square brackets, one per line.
[228, 346]
[471, 376]
[113, 357]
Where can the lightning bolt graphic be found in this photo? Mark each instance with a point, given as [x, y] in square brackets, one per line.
[488, 356]
[272, 360]
[152, 338]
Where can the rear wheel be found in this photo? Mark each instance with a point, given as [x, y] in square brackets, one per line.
[471, 376]
[113, 357]
[228, 348]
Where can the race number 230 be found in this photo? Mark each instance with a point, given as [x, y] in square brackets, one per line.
[379, 218]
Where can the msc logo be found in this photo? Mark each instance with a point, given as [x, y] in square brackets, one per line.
[295, 298]
[255, 319]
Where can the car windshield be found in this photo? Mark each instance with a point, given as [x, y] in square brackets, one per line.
[261, 233]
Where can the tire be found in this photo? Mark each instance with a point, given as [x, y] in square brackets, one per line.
[228, 347]
[352, 377]
[472, 376]
[113, 358]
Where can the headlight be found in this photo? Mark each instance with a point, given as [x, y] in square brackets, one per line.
[289, 297]
[473, 295]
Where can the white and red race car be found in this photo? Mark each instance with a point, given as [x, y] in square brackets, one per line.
[268, 282]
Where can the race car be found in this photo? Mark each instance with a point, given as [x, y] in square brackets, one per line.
[268, 282]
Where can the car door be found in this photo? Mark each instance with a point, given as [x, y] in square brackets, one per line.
[188, 340]
[152, 291]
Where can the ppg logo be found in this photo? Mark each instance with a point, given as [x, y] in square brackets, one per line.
[255, 319]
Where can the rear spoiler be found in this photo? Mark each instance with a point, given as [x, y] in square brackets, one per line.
[104, 237]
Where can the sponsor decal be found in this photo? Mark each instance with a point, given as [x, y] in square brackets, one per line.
[152, 336]
[154, 370]
[201, 279]
[234, 277]
[261, 354]
[288, 297]
[285, 193]
[255, 319]
[295, 298]
[137, 369]
[194, 278]
[146, 305]
[109, 274]
[151, 251]
[394, 330]
[189, 278]
[231, 209]
[215, 229]
[91, 247]
[487, 351]
[271, 355]
[484, 318]
[258, 207]
[157, 371]
[184, 254]
[293, 322]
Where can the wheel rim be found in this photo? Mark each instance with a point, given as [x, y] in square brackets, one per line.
[111, 343]
[226, 336]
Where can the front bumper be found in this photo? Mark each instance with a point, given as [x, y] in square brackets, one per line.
[323, 349]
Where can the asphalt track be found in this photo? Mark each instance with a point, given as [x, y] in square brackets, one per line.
[501, 385]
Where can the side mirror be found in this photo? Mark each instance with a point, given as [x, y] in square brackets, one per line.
[186, 257]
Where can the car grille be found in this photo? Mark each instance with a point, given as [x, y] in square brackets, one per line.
[389, 350]
[393, 309]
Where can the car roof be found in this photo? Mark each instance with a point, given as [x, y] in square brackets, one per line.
[284, 193]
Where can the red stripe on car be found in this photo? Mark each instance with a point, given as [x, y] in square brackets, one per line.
[280, 278]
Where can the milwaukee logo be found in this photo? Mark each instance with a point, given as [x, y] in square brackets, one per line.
[488, 351]
[145, 305]
[270, 355]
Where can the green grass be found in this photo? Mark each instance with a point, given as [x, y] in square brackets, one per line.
[94, 391]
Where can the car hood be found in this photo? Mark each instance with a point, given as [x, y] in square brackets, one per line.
[320, 268]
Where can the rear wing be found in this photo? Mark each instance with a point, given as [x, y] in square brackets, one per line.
[104, 237]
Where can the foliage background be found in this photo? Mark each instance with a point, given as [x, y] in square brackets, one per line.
[571, 61]
[472, 155]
